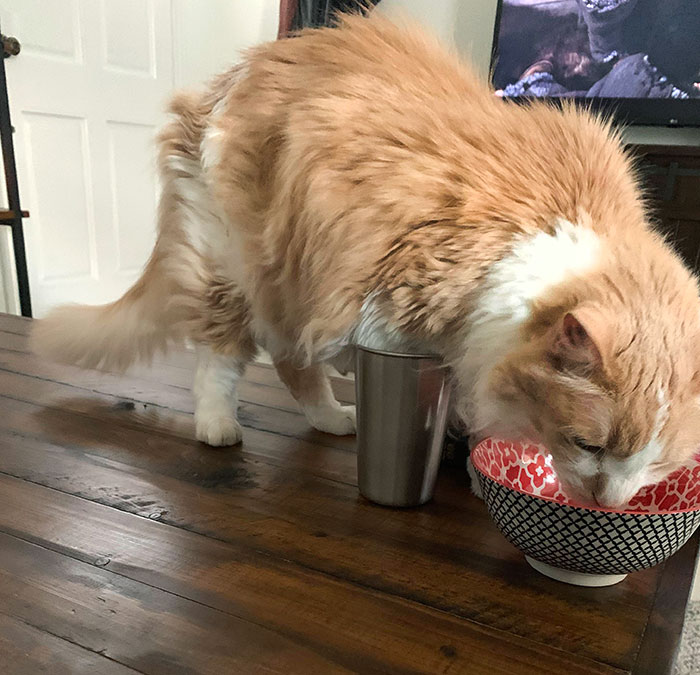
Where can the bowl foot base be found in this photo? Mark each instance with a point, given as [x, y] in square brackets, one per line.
[575, 578]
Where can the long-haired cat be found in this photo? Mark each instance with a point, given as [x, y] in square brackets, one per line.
[361, 185]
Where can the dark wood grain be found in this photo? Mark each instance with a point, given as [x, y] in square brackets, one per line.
[322, 525]
[665, 151]
[351, 627]
[268, 543]
[663, 632]
[671, 177]
[135, 624]
[27, 649]
[178, 399]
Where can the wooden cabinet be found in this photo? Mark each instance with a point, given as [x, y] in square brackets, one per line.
[672, 178]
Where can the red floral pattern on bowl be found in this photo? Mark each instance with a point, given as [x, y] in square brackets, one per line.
[527, 467]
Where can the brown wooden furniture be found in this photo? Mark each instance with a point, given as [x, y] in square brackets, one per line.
[672, 178]
[126, 546]
[6, 214]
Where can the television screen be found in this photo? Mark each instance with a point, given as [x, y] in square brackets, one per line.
[628, 51]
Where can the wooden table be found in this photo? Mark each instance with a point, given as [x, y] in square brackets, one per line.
[126, 546]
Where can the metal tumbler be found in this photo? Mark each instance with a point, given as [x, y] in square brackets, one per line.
[402, 404]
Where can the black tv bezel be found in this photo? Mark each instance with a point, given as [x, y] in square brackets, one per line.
[658, 112]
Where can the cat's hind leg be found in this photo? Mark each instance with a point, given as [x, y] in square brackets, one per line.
[224, 346]
[312, 390]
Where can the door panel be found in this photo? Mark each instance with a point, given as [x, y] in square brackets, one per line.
[87, 92]
[62, 214]
[128, 177]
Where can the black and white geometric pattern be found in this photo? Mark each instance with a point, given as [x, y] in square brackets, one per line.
[583, 540]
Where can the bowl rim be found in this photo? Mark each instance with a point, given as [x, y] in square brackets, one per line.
[602, 509]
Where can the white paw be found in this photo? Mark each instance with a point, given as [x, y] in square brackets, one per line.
[218, 431]
[339, 420]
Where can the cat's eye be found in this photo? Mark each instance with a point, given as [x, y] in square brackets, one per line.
[586, 447]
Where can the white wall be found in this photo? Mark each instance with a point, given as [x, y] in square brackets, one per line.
[9, 291]
[465, 24]
[438, 16]
[468, 24]
[209, 35]
[9, 294]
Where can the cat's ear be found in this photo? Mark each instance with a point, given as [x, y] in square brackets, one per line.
[580, 340]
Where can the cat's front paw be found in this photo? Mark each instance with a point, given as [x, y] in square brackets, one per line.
[339, 421]
[218, 431]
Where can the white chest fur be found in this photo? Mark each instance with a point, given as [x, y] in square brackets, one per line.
[535, 265]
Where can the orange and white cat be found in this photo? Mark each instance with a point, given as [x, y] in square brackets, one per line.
[362, 185]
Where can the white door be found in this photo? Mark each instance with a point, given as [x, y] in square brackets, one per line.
[87, 93]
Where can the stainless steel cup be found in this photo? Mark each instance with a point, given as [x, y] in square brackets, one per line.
[402, 403]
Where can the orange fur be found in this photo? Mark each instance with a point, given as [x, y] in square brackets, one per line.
[366, 164]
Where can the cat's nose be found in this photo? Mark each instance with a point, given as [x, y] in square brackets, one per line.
[606, 500]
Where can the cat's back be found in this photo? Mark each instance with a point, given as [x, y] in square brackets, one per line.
[330, 151]
[374, 111]
[383, 114]
[364, 57]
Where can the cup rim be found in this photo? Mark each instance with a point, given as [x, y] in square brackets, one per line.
[399, 355]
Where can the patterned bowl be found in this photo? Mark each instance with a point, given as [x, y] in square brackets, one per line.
[579, 544]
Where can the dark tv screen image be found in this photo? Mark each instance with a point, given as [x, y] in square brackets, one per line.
[637, 58]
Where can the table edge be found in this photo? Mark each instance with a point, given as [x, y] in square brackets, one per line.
[658, 648]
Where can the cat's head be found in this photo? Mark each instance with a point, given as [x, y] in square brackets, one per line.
[617, 404]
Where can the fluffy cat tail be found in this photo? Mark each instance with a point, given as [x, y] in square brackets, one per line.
[111, 336]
